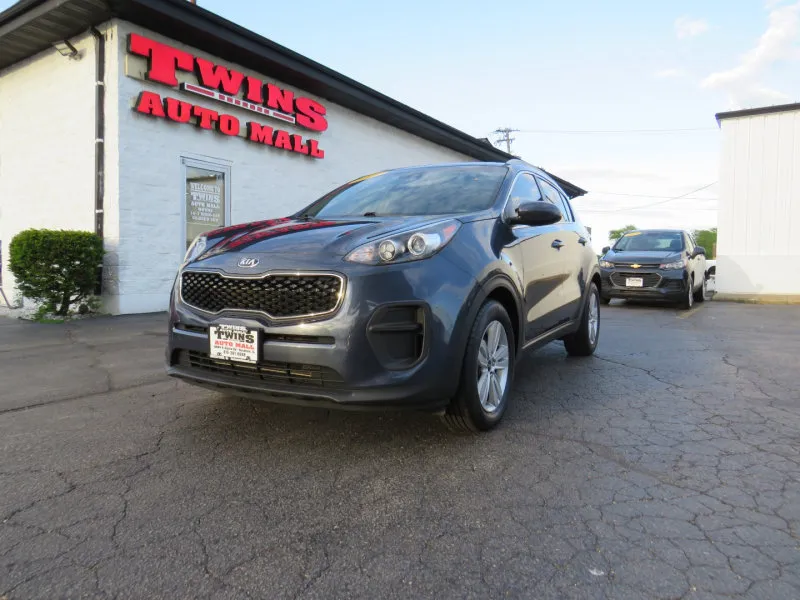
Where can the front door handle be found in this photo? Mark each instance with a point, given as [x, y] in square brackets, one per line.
[582, 241]
[557, 244]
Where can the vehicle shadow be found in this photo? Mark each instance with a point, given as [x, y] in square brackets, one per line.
[643, 304]
[538, 394]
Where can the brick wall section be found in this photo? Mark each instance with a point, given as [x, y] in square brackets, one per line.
[47, 145]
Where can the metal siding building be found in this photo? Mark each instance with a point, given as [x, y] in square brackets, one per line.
[758, 243]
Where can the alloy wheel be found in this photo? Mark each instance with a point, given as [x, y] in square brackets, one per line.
[594, 318]
[493, 356]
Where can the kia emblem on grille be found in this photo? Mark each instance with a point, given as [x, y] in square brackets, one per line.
[248, 262]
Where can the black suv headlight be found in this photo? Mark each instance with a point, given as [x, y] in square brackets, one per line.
[414, 244]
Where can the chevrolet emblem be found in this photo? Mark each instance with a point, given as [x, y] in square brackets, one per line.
[635, 266]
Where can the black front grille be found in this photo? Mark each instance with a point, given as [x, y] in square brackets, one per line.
[270, 372]
[641, 266]
[648, 279]
[270, 337]
[281, 296]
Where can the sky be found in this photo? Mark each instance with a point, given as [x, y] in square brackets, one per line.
[618, 97]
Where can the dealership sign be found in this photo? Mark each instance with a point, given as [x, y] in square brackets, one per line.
[231, 88]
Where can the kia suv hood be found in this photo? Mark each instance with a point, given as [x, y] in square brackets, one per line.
[299, 236]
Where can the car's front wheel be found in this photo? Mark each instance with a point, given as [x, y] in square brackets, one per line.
[584, 341]
[487, 373]
[700, 294]
[688, 299]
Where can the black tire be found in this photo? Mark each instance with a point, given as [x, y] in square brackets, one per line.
[465, 414]
[580, 343]
[605, 300]
[688, 297]
[700, 294]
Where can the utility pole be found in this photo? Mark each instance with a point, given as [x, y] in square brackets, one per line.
[505, 136]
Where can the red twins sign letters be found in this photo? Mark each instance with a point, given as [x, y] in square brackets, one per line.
[229, 87]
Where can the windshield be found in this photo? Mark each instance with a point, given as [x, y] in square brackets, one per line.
[423, 191]
[658, 241]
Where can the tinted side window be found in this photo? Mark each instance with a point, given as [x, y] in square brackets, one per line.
[568, 207]
[553, 196]
[524, 190]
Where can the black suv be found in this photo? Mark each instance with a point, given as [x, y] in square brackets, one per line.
[416, 287]
[655, 264]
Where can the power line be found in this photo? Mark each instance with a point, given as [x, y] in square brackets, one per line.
[617, 131]
[641, 196]
[652, 203]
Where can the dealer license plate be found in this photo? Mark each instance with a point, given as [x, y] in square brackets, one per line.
[634, 282]
[234, 342]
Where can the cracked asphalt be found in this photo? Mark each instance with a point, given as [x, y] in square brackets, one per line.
[667, 466]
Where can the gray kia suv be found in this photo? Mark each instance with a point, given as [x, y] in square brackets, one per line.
[416, 287]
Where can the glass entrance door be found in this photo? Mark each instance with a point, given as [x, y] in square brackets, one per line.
[207, 197]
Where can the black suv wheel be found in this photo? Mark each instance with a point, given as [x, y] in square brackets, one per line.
[584, 341]
[487, 373]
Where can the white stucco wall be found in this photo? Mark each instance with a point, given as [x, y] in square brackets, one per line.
[265, 182]
[47, 145]
[758, 246]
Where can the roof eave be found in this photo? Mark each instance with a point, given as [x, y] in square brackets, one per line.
[752, 112]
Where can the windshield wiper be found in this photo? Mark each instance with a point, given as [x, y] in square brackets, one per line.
[369, 214]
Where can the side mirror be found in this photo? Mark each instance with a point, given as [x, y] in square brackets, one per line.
[537, 213]
[698, 250]
[606, 249]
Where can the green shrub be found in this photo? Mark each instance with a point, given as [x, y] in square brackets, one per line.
[56, 268]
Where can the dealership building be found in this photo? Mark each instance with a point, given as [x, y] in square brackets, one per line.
[151, 121]
[758, 245]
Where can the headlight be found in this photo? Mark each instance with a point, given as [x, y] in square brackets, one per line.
[606, 265]
[415, 244]
[196, 249]
[678, 264]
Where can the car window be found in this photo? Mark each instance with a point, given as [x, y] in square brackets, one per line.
[418, 191]
[689, 243]
[524, 190]
[646, 241]
[568, 206]
[553, 196]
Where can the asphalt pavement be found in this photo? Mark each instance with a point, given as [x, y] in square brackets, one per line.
[667, 466]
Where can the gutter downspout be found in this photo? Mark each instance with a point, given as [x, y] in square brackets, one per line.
[99, 142]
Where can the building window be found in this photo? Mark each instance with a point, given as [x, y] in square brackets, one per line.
[207, 197]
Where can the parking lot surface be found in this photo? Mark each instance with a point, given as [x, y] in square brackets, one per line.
[667, 466]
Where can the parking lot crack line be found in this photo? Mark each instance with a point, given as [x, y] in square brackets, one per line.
[153, 381]
[642, 369]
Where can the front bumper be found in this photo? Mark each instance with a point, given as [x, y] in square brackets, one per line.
[667, 285]
[392, 342]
